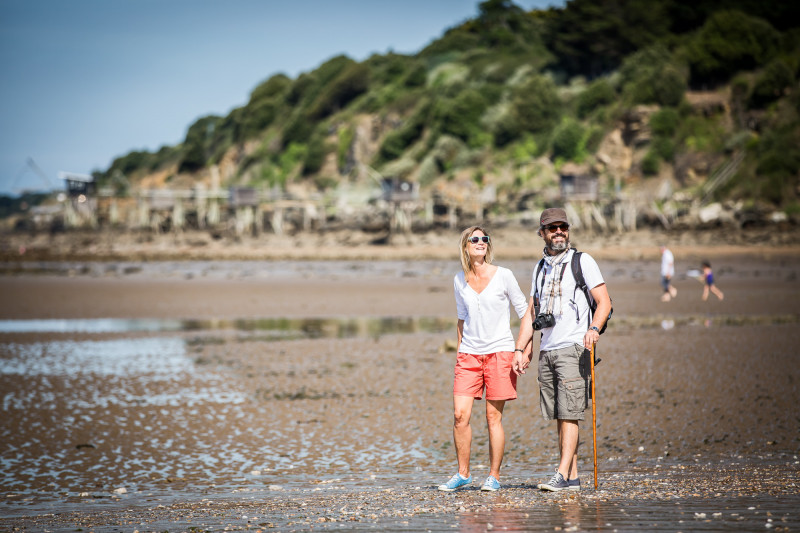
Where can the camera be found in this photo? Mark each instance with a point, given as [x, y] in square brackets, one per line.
[544, 320]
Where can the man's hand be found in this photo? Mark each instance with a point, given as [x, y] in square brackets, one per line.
[521, 362]
[589, 338]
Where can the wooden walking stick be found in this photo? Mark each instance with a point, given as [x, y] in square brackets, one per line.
[594, 417]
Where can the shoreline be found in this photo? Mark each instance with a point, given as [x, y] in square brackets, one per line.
[511, 244]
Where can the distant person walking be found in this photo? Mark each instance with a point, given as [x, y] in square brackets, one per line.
[667, 272]
[483, 294]
[708, 285]
[559, 309]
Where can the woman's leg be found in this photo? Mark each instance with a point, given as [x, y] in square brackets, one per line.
[462, 431]
[497, 437]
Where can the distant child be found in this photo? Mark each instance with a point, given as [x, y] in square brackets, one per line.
[708, 276]
[667, 271]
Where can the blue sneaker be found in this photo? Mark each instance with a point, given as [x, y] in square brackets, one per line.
[491, 484]
[556, 483]
[574, 484]
[456, 482]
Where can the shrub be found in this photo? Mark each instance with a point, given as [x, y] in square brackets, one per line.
[650, 163]
[525, 150]
[297, 130]
[346, 136]
[256, 118]
[274, 87]
[593, 139]
[461, 115]
[771, 84]
[351, 83]
[568, 140]
[197, 145]
[315, 155]
[506, 131]
[664, 122]
[664, 147]
[651, 76]
[417, 76]
[398, 140]
[597, 94]
[536, 105]
[728, 42]
[290, 158]
[300, 88]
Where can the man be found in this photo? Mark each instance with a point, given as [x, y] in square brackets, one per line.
[667, 271]
[567, 338]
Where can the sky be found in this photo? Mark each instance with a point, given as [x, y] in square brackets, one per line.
[87, 81]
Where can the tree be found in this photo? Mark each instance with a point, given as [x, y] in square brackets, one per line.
[728, 42]
[536, 105]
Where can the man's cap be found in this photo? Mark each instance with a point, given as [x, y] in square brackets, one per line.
[551, 215]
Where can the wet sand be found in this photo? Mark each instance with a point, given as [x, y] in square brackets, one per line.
[339, 417]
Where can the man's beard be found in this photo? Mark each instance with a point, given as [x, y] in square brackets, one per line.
[558, 246]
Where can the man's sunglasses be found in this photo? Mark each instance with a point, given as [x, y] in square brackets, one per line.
[476, 240]
[553, 227]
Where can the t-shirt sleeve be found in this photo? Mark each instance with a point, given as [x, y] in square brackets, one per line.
[461, 306]
[515, 294]
[591, 272]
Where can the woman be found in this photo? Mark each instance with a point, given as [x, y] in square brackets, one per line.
[485, 351]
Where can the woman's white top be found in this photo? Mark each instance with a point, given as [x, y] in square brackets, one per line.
[486, 316]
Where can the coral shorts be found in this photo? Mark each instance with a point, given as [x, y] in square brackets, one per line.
[492, 371]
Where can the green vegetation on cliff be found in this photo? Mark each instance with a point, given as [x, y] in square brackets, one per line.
[510, 86]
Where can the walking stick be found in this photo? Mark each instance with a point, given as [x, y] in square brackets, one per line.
[594, 417]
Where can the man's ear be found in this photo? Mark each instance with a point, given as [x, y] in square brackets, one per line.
[539, 232]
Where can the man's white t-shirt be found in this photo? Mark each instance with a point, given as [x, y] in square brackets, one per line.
[486, 316]
[667, 264]
[572, 319]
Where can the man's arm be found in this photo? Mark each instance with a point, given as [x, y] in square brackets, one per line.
[524, 347]
[600, 295]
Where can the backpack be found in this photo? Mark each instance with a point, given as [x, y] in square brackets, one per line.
[580, 284]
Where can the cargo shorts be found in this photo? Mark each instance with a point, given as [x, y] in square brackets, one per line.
[564, 380]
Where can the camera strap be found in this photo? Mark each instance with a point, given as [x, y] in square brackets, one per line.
[551, 299]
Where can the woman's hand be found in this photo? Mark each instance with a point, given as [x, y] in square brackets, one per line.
[521, 362]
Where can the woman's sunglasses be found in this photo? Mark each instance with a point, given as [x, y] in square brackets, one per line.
[476, 240]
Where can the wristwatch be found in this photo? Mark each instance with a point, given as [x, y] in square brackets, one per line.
[595, 328]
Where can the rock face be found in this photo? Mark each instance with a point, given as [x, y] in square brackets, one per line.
[636, 125]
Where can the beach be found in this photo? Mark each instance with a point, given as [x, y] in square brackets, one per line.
[281, 391]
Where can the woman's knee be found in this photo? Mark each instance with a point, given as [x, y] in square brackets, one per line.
[461, 417]
[494, 418]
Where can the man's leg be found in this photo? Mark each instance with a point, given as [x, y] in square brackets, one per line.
[568, 433]
[497, 437]
[462, 431]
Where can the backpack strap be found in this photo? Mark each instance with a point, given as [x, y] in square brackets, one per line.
[580, 283]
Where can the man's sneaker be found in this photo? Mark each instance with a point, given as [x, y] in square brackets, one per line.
[574, 484]
[456, 482]
[556, 483]
[491, 484]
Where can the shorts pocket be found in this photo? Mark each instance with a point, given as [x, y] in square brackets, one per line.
[575, 392]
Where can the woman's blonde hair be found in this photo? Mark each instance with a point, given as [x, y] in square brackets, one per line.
[466, 264]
